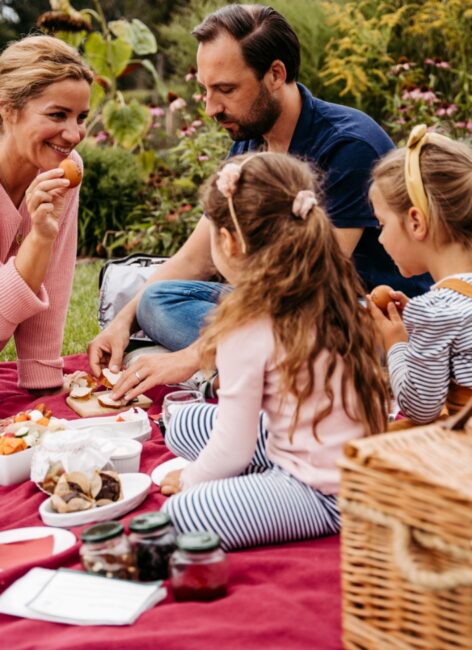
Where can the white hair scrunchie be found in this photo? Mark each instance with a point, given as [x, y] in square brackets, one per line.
[303, 203]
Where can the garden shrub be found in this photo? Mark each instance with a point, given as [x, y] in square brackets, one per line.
[112, 193]
[172, 208]
[403, 63]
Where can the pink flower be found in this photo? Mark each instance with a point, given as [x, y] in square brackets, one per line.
[438, 63]
[464, 125]
[447, 110]
[203, 157]
[417, 94]
[197, 123]
[228, 179]
[400, 67]
[157, 111]
[101, 136]
[186, 131]
[197, 97]
[177, 104]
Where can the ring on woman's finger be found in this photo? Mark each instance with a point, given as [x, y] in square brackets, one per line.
[138, 376]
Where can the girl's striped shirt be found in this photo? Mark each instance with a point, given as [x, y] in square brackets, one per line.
[439, 349]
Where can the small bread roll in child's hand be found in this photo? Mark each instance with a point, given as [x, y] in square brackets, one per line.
[381, 296]
[72, 171]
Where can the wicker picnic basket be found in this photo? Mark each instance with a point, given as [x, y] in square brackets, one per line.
[406, 503]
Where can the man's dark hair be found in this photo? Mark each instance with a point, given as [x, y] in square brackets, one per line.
[263, 33]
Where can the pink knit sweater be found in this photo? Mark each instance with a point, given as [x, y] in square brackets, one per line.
[250, 382]
[36, 320]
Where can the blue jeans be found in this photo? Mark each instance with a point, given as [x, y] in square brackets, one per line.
[172, 312]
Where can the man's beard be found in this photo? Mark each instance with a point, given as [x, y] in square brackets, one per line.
[262, 116]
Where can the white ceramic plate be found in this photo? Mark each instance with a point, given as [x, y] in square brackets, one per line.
[63, 539]
[160, 471]
[139, 429]
[135, 488]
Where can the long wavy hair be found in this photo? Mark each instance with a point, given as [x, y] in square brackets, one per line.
[295, 273]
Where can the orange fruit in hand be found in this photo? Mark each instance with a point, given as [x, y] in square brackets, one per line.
[380, 296]
[72, 171]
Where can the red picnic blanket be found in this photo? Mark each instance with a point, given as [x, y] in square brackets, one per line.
[283, 597]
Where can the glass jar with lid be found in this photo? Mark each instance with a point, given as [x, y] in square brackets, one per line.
[153, 542]
[198, 567]
[106, 551]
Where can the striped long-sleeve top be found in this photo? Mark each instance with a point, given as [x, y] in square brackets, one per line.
[439, 349]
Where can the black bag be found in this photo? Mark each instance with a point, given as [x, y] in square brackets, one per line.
[119, 281]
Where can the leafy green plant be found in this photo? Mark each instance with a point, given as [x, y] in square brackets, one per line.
[108, 47]
[403, 63]
[113, 193]
[172, 209]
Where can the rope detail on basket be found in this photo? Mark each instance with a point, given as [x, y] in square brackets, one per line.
[402, 536]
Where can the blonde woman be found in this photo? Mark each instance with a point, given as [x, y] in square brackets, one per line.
[291, 339]
[44, 102]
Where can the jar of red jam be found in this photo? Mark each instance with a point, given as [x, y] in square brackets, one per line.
[106, 551]
[153, 542]
[198, 567]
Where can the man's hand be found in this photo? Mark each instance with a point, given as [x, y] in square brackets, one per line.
[390, 327]
[170, 484]
[107, 348]
[151, 370]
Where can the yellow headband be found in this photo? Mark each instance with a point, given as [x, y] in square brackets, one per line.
[419, 136]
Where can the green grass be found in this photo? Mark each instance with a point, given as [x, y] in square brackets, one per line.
[82, 323]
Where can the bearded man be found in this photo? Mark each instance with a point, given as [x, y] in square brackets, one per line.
[248, 62]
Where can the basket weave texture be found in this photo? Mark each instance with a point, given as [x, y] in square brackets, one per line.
[406, 503]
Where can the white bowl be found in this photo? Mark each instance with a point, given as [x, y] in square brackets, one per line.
[15, 468]
[135, 488]
[127, 455]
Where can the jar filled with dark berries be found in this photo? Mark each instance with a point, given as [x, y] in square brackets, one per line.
[153, 542]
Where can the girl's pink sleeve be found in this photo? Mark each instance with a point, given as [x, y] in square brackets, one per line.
[241, 361]
[39, 339]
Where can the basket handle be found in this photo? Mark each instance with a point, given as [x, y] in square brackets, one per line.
[402, 536]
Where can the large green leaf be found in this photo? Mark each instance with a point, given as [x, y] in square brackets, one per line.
[108, 59]
[144, 41]
[122, 29]
[127, 123]
[97, 96]
[135, 33]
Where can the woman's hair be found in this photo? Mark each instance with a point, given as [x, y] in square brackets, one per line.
[446, 172]
[28, 66]
[295, 273]
[263, 33]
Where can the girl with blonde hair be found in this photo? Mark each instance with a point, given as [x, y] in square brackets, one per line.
[291, 339]
[44, 102]
[422, 197]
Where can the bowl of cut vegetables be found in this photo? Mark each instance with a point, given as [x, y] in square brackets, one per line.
[19, 434]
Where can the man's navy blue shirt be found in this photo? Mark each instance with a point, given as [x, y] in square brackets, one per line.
[345, 143]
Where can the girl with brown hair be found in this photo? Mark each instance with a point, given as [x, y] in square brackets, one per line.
[292, 340]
